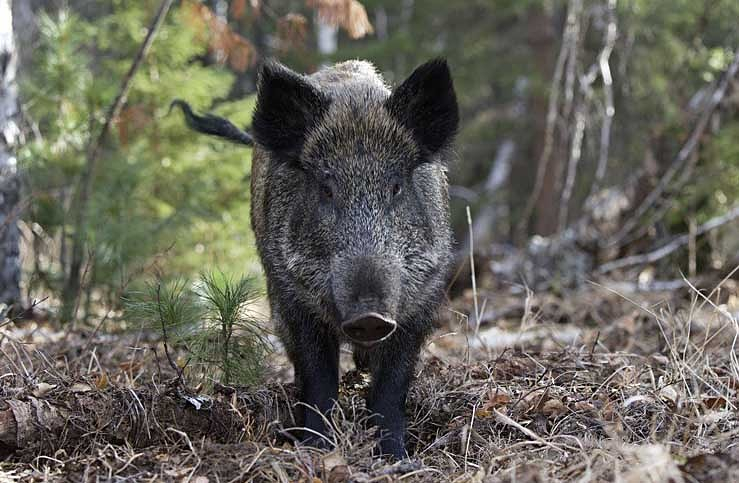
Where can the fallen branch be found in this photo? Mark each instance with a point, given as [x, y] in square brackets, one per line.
[670, 247]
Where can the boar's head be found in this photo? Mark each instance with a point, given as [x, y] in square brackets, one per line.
[361, 178]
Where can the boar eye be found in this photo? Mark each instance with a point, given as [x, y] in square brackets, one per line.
[326, 191]
[397, 187]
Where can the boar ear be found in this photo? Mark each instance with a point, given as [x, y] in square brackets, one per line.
[287, 107]
[426, 104]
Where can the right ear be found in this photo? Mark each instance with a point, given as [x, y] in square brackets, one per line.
[288, 106]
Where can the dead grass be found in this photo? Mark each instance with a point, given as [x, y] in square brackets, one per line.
[639, 388]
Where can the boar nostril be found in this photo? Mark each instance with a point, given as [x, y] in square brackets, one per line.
[368, 328]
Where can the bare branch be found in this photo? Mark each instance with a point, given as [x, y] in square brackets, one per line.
[605, 73]
[673, 245]
[686, 151]
[575, 155]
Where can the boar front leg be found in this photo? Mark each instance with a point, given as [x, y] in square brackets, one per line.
[315, 357]
[392, 370]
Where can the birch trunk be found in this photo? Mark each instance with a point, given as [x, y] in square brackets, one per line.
[9, 183]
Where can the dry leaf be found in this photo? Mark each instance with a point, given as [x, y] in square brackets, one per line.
[238, 8]
[101, 382]
[667, 392]
[554, 408]
[584, 406]
[714, 402]
[332, 460]
[81, 387]
[43, 388]
[227, 46]
[350, 15]
[292, 30]
[496, 399]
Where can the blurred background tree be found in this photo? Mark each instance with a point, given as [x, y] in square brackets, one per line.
[589, 94]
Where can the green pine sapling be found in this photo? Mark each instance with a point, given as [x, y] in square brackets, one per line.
[214, 324]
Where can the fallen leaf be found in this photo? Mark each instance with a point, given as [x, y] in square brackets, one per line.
[584, 406]
[670, 395]
[554, 408]
[331, 461]
[496, 399]
[81, 387]
[714, 402]
[43, 388]
[101, 381]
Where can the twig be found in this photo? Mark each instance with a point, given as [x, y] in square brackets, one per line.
[472, 270]
[503, 419]
[72, 286]
[575, 155]
[164, 336]
[670, 247]
[605, 73]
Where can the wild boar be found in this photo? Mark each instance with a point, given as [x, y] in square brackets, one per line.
[349, 206]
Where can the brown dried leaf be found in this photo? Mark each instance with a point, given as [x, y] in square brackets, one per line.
[584, 406]
[356, 23]
[715, 402]
[238, 9]
[227, 46]
[43, 388]
[101, 382]
[554, 408]
[241, 54]
[496, 399]
[292, 30]
[350, 15]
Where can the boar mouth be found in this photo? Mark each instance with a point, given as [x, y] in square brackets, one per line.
[369, 328]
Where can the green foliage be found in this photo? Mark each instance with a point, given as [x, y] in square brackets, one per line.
[157, 188]
[160, 189]
[214, 322]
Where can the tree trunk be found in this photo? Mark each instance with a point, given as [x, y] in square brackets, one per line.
[542, 40]
[9, 183]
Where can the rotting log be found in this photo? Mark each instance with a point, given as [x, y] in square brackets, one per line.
[64, 418]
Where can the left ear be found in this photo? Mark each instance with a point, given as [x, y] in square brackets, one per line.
[426, 104]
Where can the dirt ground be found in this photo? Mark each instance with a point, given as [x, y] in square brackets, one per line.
[599, 384]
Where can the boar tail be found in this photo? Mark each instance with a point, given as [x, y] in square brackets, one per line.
[212, 125]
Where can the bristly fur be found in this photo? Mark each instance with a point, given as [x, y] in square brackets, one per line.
[427, 105]
[287, 108]
[350, 212]
[212, 125]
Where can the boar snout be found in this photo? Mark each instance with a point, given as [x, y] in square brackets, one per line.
[369, 328]
[366, 294]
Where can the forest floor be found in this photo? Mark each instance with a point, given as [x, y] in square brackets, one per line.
[600, 384]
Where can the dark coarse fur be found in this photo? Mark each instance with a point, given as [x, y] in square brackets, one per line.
[350, 211]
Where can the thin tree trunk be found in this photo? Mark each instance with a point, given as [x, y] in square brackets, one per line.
[9, 183]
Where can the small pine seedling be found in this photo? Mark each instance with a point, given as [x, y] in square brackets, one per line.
[213, 321]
